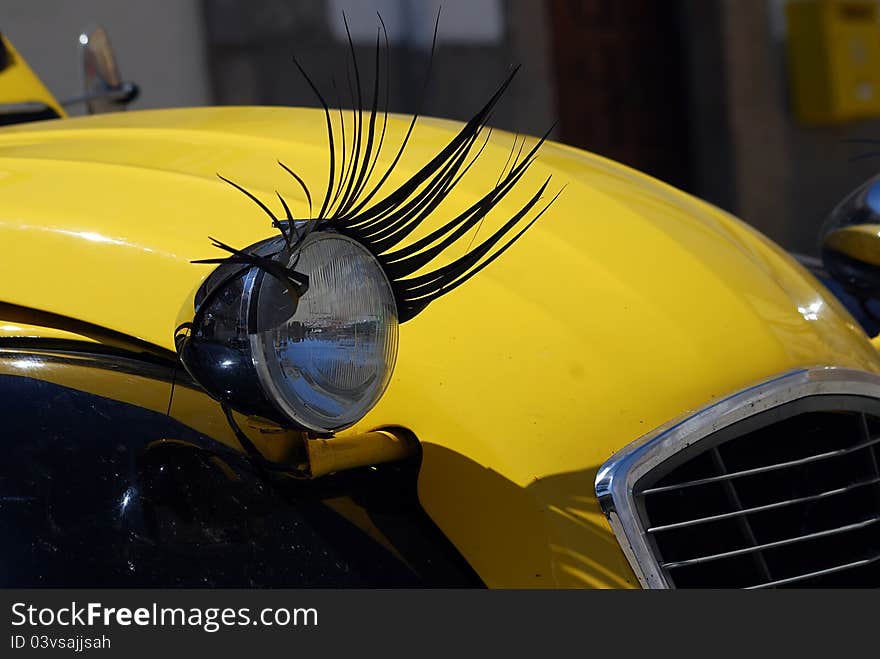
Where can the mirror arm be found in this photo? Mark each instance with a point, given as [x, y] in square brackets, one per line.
[124, 94]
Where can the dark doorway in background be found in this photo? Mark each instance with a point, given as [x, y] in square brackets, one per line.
[620, 83]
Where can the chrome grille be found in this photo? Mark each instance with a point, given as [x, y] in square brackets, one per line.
[778, 486]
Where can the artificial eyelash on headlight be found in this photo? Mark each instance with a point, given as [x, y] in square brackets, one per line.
[381, 226]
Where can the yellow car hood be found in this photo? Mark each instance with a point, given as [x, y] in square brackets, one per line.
[626, 305]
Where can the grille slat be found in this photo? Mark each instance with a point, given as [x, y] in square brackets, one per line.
[772, 545]
[766, 507]
[818, 573]
[789, 497]
[760, 470]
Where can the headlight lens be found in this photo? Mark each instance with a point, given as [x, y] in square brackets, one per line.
[330, 362]
[322, 362]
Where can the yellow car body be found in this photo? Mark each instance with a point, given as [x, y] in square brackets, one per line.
[629, 304]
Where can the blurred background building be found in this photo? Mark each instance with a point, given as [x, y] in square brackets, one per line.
[695, 92]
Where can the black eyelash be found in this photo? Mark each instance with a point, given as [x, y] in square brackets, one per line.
[381, 226]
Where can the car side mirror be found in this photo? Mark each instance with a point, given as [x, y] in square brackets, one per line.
[105, 90]
[851, 241]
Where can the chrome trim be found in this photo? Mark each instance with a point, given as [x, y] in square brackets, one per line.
[616, 478]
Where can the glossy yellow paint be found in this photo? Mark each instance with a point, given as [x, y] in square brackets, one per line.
[628, 304]
[14, 329]
[19, 84]
[326, 456]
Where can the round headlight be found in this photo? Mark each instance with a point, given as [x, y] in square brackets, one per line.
[323, 360]
[329, 363]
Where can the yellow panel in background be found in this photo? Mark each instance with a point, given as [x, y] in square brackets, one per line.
[19, 84]
[834, 59]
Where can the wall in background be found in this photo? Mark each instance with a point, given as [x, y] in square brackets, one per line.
[619, 80]
[159, 45]
[251, 47]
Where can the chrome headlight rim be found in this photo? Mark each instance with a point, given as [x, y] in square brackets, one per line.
[266, 368]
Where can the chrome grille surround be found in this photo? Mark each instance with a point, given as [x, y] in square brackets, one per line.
[616, 479]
